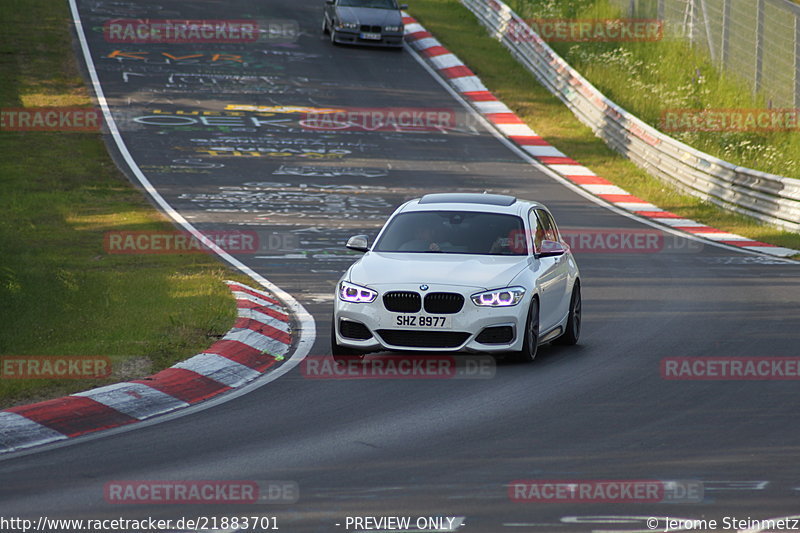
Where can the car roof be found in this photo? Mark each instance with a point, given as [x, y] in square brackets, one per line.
[490, 203]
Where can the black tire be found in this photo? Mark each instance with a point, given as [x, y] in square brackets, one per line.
[324, 25]
[340, 353]
[332, 33]
[573, 329]
[530, 343]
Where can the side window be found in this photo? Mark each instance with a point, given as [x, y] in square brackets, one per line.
[552, 230]
[547, 227]
[537, 232]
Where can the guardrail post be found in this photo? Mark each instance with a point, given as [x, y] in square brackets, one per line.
[797, 61]
[759, 52]
[724, 54]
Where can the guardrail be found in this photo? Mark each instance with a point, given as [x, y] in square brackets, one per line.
[767, 197]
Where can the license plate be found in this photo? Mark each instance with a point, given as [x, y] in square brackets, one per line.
[371, 36]
[422, 321]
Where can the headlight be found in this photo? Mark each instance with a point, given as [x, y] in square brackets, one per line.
[347, 26]
[499, 297]
[391, 28]
[356, 294]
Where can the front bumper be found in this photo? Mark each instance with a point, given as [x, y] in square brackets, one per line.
[345, 36]
[467, 330]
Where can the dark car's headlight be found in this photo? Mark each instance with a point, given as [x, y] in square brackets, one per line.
[347, 25]
[499, 297]
[392, 28]
[350, 292]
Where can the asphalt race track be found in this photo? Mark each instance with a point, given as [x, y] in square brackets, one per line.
[209, 126]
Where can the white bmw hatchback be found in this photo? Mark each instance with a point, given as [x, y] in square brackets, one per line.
[459, 272]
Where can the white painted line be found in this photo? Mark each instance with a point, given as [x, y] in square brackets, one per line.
[682, 223]
[424, 44]
[18, 432]
[573, 170]
[604, 189]
[258, 316]
[772, 250]
[467, 84]
[257, 341]
[515, 129]
[306, 331]
[219, 368]
[644, 206]
[544, 151]
[446, 61]
[136, 400]
[723, 237]
[492, 106]
[256, 300]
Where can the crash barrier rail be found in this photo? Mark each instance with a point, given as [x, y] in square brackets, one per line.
[766, 197]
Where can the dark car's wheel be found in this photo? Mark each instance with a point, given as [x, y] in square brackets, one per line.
[332, 33]
[530, 343]
[573, 330]
[324, 25]
[342, 354]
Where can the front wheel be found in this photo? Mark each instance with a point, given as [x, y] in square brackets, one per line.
[573, 330]
[324, 25]
[333, 36]
[530, 343]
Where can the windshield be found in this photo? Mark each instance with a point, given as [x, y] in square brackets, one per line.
[377, 4]
[453, 232]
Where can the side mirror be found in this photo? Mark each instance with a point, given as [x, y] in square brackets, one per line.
[551, 249]
[403, 6]
[359, 243]
[330, 2]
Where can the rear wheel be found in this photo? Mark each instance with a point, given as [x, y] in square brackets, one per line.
[340, 353]
[530, 343]
[573, 329]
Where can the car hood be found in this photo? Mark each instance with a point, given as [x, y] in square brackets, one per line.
[377, 269]
[370, 16]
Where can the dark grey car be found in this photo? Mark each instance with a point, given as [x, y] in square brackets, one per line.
[367, 22]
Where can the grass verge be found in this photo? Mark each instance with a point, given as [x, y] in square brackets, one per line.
[649, 78]
[460, 31]
[60, 293]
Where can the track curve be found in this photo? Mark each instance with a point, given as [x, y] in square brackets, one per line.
[420, 447]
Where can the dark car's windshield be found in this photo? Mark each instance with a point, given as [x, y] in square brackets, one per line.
[455, 232]
[377, 4]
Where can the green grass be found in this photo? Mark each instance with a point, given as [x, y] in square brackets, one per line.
[60, 292]
[648, 78]
[459, 30]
